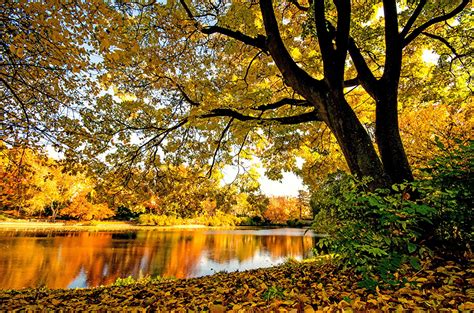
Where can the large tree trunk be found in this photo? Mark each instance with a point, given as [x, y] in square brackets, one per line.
[387, 135]
[328, 97]
[354, 141]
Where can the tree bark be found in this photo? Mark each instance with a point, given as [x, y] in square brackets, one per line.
[389, 142]
[354, 141]
[327, 95]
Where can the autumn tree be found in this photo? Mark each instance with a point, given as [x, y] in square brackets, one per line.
[15, 176]
[46, 55]
[281, 209]
[35, 184]
[234, 70]
[211, 82]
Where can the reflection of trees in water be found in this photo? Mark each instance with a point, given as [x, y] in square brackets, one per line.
[55, 260]
[245, 247]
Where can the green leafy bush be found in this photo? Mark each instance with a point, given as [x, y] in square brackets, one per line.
[376, 232]
[373, 232]
[127, 281]
[253, 221]
[273, 292]
[449, 187]
[295, 223]
[125, 214]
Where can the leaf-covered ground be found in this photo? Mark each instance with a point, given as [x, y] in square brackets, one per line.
[295, 287]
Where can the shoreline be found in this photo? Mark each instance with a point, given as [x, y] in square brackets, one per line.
[21, 225]
[295, 286]
[291, 287]
[100, 226]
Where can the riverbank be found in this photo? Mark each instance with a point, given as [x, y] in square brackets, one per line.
[295, 287]
[22, 225]
[91, 226]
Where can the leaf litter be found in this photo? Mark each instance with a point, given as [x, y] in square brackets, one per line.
[292, 287]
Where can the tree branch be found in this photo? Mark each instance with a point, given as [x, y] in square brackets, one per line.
[286, 120]
[257, 42]
[157, 139]
[351, 82]
[307, 86]
[417, 31]
[393, 47]
[263, 107]
[250, 64]
[412, 18]
[445, 42]
[324, 37]
[364, 74]
[214, 157]
[299, 6]
[342, 38]
[186, 97]
[282, 102]
[22, 105]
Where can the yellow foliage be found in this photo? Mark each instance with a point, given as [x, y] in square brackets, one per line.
[420, 126]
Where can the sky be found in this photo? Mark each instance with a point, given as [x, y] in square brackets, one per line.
[289, 186]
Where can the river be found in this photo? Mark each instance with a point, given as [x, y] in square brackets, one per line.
[80, 259]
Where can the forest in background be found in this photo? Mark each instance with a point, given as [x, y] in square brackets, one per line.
[35, 186]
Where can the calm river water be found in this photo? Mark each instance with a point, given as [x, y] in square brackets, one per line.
[85, 259]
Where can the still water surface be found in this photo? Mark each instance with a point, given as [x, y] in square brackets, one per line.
[87, 259]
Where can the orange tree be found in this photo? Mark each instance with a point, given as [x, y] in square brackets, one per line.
[281, 209]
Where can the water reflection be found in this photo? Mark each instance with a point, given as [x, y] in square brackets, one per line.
[80, 259]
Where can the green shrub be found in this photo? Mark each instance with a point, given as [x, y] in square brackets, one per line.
[376, 232]
[449, 187]
[127, 281]
[295, 223]
[373, 232]
[125, 214]
[254, 221]
[330, 195]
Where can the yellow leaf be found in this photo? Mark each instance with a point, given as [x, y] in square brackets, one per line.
[308, 309]
[135, 47]
[20, 52]
[324, 295]
[217, 308]
[296, 53]
[258, 22]
[105, 43]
